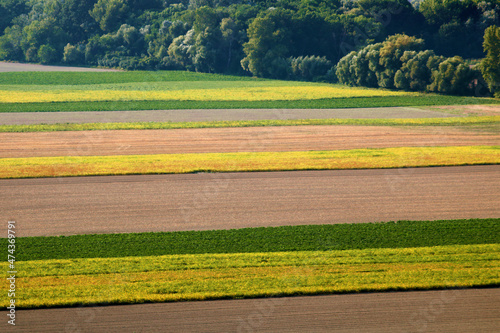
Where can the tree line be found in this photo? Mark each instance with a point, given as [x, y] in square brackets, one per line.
[400, 62]
[313, 40]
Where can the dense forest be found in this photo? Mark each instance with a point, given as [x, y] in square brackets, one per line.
[381, 43]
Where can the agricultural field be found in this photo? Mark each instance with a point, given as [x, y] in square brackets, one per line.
[492, 122]
[211, 276]
[108, 91]
[335, 237]
[176, 90]
[238, 264]
[224, 262]
[36, 167]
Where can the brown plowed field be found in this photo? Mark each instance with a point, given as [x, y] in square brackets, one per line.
[453, 311]
[211, 140]
[86, 205]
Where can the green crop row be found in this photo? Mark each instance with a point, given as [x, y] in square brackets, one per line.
[400, 234]
[333, 103]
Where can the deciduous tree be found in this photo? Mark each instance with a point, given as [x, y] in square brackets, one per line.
[490, 66]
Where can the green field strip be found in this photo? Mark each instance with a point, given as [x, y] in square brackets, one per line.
[86, 78]
[171, 86]
[333, 103]
[400, 234]
[451, 121]
[56, 283]
[36, 167]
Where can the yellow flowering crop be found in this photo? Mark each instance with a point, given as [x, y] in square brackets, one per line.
[225, 94]
[402, 157]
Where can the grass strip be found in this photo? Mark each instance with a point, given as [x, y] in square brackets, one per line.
[332, 103]
[330, 237]
[85, 78]
[215, 276]
[451, 121]
[36, 167]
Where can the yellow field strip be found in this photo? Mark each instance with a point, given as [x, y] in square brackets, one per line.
[47, 283]
[240, 162]
[224, 94]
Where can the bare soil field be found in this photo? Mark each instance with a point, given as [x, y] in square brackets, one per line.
[20, 67]
[28, 118]
[247, 139]
[454, 311]
[478, 110]
[85, 205]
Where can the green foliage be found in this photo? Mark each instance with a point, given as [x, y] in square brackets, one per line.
[397, 16]
[453, 77]
[376, 65]
[10, 44]
[456, 27]
[490, 66]
[266, 48]
[343, 71]
[400, 234]
[278, 36]
[109, 14]
[44, 32]
[391, 53]
[47, 54]
[415, 75]
[310, 68]
[73, 54]
[438, 11]
[399, 63]
[73, 17]
[209, 44]
[366, 65]
[234, 36]
[9, 10]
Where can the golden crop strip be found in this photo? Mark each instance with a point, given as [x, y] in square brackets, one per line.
[46, 283]
[492, 122]
[226, 94]
[34, 167]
